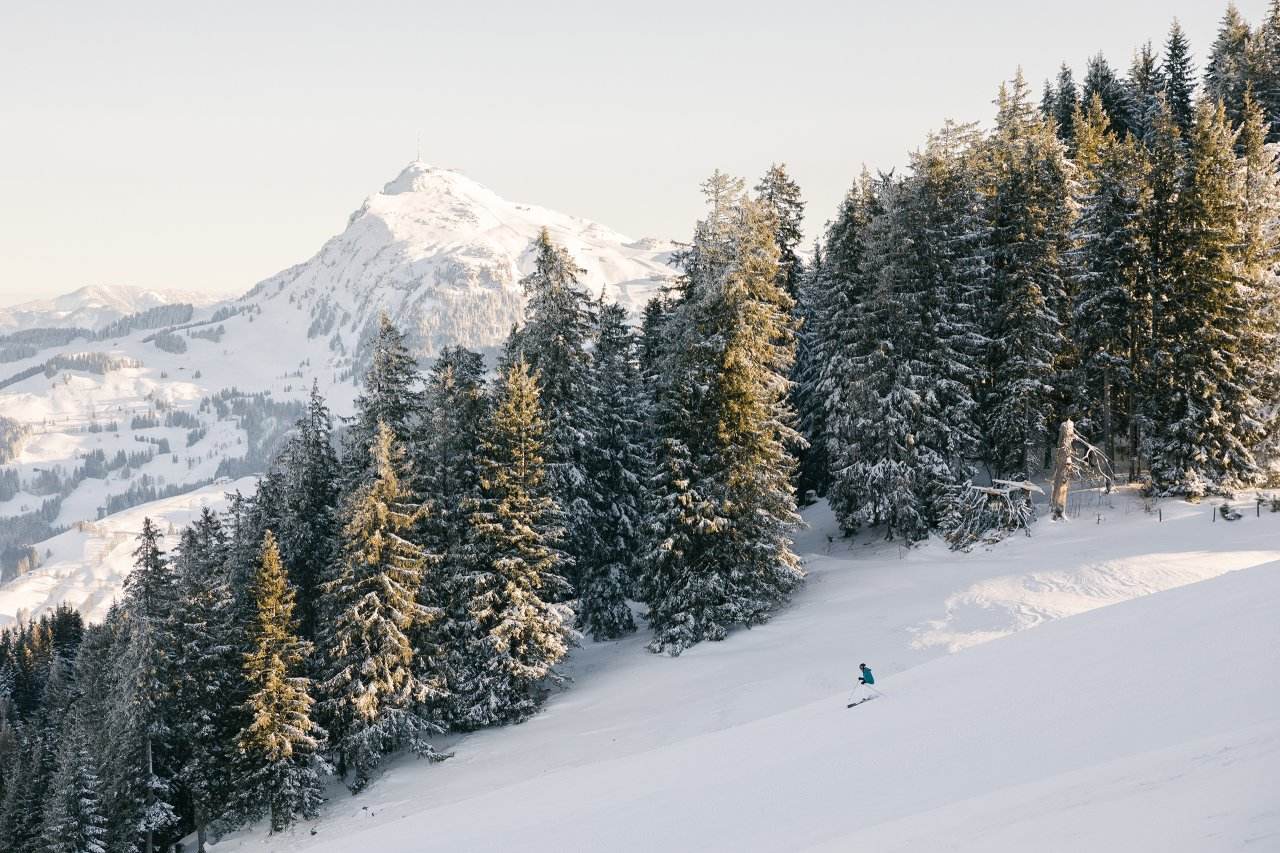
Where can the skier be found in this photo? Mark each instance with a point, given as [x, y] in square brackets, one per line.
[865, 682]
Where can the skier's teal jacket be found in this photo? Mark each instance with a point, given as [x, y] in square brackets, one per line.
[867, 677]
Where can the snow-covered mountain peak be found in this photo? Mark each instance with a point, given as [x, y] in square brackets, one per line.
[420, 176]
[443, 255]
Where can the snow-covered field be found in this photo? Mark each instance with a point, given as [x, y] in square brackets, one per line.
[1141, 713]
[86, 566]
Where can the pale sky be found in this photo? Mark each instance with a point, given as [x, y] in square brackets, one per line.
[206, 146]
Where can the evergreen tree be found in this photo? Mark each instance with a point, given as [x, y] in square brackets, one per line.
[204, 677]
[834, 309]
[908, 427]
[1145, 82]
[725, 425]
[448, 466]
[74, 819]
[1102, 81]
[1204, 425]
[281, 769]
[1066, 101]
[1265, 68]
[372, 693]
[780, 195]
[1228, 73]
[307, 521]
[1258, 257]
[517, 637]
[618, 462]
[1178, 76]
[391, 397]
[1111, 252]
[1167, 158]
[141, 772]
[1031, 217]
[553, 341]
[812, 465]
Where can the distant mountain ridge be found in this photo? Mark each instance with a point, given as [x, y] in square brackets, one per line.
[95, 306]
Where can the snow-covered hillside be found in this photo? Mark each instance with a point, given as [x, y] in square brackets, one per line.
[153, 404]
[85, 567]
[1140, 713]
[94, 306]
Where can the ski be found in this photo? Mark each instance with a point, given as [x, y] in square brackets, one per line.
[860, 701]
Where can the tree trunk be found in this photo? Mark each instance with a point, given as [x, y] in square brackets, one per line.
[150, 845]
[201, 828]
[1062, 468]
[1108, 439]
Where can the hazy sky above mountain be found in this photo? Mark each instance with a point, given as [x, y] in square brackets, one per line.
[207, 146]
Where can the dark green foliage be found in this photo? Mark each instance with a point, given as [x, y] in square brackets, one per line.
[516, 637]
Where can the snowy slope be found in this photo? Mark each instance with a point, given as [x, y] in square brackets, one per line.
[94, 306]
[85, 567]
[1138, 713]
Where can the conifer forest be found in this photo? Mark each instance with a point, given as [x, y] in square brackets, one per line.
[1102, 253]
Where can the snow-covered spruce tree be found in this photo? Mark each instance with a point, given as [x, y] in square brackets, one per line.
[1228, 73]
[279, 771]
[372, 694]
[910, 426]
[833, 304]
[391, 397]
[23, 811]
[1259, 253]
[1265, 62]
[1206, 411]
[1143, 87]
[811, 422]
[205, 681]
[517, 636]
[721, 553]
[447, 465]
[1101, 80]
[952, 259]
[618, 465]
[559, 319]
[875, 469]
[1178, 77]
[1111, 250]
[307, 523]
[1167, 158]
[1030, 212]
[1066, 104]
[74, 816]
[780, 195]
[140, 770]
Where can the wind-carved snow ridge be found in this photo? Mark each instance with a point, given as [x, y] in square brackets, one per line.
[998, 606]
